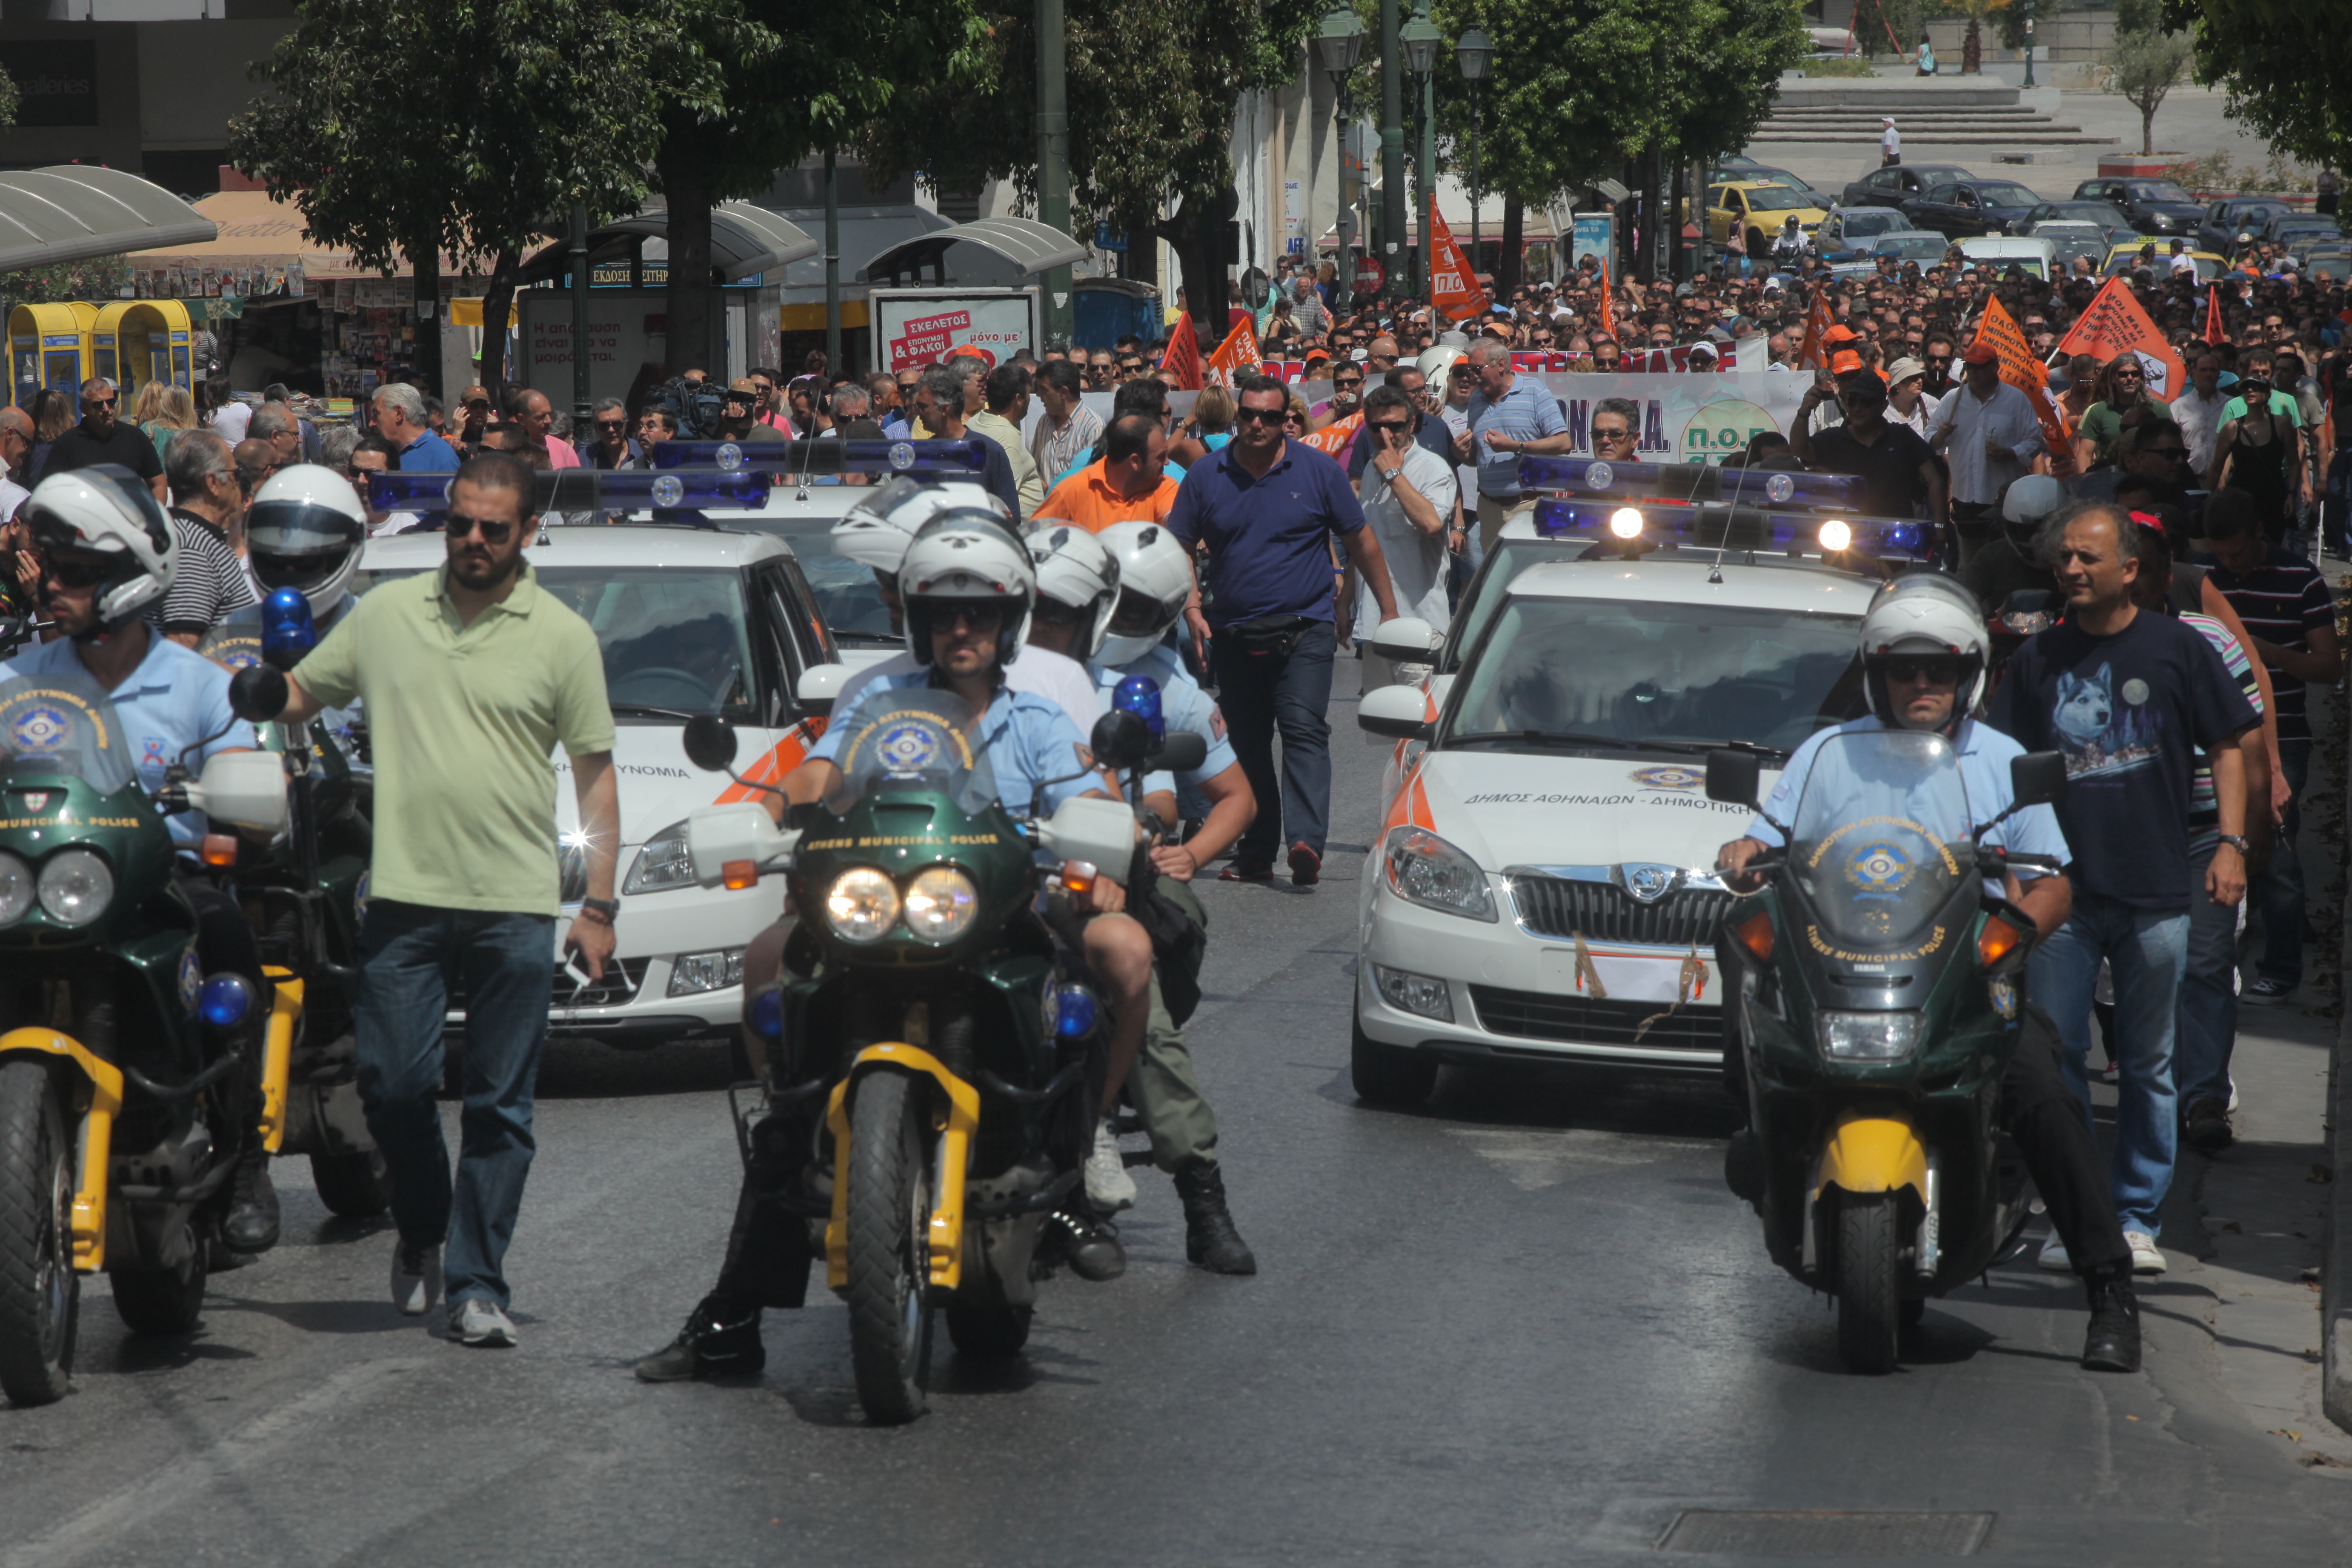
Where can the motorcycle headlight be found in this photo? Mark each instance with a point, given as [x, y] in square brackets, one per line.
[76, 887]
[16, 888]
[663, 863]
[1424, 869]
[862, 905]
[1870, 1036]
[941, 904]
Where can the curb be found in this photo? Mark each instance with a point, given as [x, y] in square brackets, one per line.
[2335, 1314]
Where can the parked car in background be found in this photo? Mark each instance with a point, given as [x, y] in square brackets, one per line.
[1961, 209]
[2224, 221]
[1727, 170]
[1887, 187]
[2125, 256]
[1847, 232]
[2106, 215]
[1758, 211]
[2331, 259]
[2034, 257]
[2297, 229]
[2070, 238]
[2154, 207]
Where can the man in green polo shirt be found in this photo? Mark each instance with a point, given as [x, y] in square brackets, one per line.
[472, 676]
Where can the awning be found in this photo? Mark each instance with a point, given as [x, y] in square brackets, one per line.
[254, 232]
[71, 212]
[744, 239]
[1029, 245]
[864, 231]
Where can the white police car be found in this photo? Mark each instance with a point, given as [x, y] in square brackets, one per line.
[690, 620]
[1542, 886]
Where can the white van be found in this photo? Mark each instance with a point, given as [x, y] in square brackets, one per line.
[2036, 258]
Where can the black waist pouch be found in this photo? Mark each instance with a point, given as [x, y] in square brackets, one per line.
[1269, 637]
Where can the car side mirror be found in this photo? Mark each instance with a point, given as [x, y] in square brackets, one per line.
[818, 687]
[1406, 639]
[2038, 778]
[1734, 777]
[1397, 713]
[709, 742]
[1121, 740]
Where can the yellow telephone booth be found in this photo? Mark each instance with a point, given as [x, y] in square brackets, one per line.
[139, 340]
[49, 345]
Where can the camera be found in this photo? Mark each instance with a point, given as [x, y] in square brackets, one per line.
[696, 406]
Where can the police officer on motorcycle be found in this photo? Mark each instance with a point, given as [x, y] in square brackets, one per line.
[1924, 657]
[1110, 599]
[969, 592]
[305, 530]
[108, 557]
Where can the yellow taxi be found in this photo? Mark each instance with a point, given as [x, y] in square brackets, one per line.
[2122, 258]
[1759, 209]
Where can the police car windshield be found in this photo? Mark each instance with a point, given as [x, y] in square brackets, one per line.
[1656, 676]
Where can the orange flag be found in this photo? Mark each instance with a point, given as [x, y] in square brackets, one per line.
[2214, 314]
[1453, 287]
[1608, 308]
[1335, 438]
[2113, 323]
[1236, 355]
[1999, 330]
[1813, 349]
[1182, 364]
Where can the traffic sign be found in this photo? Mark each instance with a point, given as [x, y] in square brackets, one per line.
[1370, 277]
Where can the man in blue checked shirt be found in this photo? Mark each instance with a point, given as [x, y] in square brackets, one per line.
[1508, 416]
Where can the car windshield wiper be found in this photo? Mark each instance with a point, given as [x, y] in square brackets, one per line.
[647, 711]
[1562, 738]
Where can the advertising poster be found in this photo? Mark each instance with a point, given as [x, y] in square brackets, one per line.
[916, 326]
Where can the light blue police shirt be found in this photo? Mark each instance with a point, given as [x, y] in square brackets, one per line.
[174, 699]
[1984, 753]
[340, 722]
[1183, 704]
[1028, 740]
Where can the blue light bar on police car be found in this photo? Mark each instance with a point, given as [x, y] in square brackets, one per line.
[592, 489]
[1689, 482]
[1740, 527]
[934, 460]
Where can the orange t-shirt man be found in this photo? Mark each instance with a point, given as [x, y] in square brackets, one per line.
[1091, 499]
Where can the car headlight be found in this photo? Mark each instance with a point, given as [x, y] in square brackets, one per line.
[862, 905]
[16, 888]
[1870, 1036]
[76, 887]
[1424, 869]
[663, 863]
[1425, 995]
[696, 973]
[941, 904]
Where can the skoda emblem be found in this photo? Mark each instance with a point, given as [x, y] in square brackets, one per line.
[1647, 883]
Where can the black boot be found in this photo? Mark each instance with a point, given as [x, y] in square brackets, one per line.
[721, 1339]
[1210, 1238]
[1090, 1246]
[252, 1222]
[2113, 1343]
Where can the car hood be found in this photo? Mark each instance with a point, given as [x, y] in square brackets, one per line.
[658, 786]
[1505, 808]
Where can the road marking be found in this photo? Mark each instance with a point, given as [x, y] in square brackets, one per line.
[1535, 1160]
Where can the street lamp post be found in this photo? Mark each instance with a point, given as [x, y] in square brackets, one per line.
[2028, 43]
[1391, 146]
[1473, 51]
[1338, 44]
[1420, 41]
[1053, 129]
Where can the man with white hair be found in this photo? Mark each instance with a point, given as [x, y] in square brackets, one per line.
[1890, 144]
[399, 415]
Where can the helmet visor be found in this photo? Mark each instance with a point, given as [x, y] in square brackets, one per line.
[299, 545]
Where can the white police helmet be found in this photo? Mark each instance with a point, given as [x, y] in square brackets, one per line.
[1923, 614]
[877, 531]
[109, 510]
[961, 556]
[305, 530]
[1074, 569]
[1155, 583]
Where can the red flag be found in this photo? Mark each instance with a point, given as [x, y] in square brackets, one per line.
[1181, 365]
[1608, 308]
[1236, 355]
[1998, 330]
[2214, 314]
[1814, 350]
[1334, 437]
[2113, 323]
[1453, 289]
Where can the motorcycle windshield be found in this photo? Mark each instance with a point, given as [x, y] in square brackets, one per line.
[1882, 839]
[910, 738]
[63, 723]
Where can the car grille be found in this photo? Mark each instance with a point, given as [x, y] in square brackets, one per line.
[572, 871]
[1542, 1016]
[620, 983]
[1566, 906]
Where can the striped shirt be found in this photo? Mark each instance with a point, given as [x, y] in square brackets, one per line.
[1056, 452]
[2204, 813]
[209, 581]
[2281, 601]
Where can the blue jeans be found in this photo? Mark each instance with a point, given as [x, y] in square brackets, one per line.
[1465, 566]
[2281, 889]
[2208, 993]
[1260, 693]
[408, 955]
[2147, 950]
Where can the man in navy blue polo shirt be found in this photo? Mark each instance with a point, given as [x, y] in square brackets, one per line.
[1267, 508]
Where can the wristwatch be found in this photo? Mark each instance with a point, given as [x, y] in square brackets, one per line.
[601, 909]
[2236, 841]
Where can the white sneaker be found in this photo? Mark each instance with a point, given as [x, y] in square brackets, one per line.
[1108, 1186]
[477, 1320]
[416, 1277]
[2146, 1257]
[2053, 1255]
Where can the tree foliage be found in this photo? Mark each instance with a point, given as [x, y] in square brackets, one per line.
[96, 277]
[2275, 60]
[10, 100]
[2143, 67]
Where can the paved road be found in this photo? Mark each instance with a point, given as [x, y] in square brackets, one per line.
[1526, 1326]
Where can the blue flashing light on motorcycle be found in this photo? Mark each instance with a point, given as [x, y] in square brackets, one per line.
[227, 999]
[1690, 483]
[1139, 695]
[924, 459]
[1074, 1012]
[286, 631]
[767, 1015]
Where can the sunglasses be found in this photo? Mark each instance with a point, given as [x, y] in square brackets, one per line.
[1935, 668]
[99, 402]
[1393, 426]
[612, 425]
[76, 573]
[1053, 613]
[974, 618]
[1347, 382]
[494, 531]
[1261, 415]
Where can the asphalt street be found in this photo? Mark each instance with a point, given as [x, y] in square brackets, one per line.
[1526, 1325]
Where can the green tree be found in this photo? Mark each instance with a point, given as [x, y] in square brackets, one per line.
[2273, 60]
[1978, 12]
[98, 277]
[2142, 66]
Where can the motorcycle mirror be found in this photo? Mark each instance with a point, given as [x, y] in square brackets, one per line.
[709, 742]
[1182, 753]
[257, 693]
[2037, 778]
[1733, 777]
[1121, 740]
[2027, 602]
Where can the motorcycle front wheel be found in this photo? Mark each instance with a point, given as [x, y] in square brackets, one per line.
[889, 1244]
[39, 1291]
[161, 1301]
[1869, 1282]
[988, 1332]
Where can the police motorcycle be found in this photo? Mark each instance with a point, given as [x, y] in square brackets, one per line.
[939, 1065]
[304, 894]
[117, 1141]
[1880, 993]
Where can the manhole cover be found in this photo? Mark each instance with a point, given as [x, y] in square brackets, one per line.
[1827, 1534]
